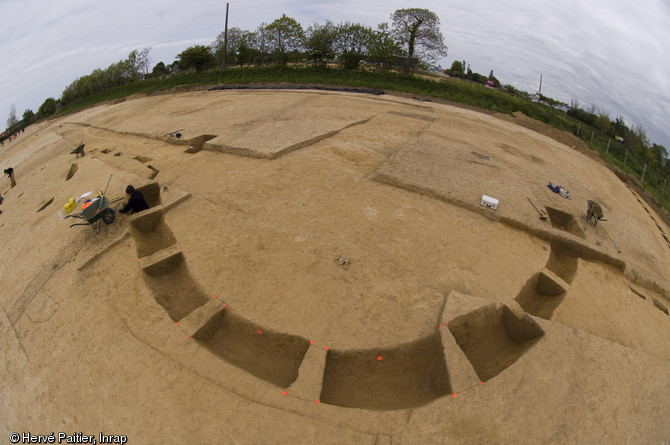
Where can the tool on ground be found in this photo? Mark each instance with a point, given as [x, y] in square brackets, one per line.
[538, 210]
[601, 240]
[610, 236]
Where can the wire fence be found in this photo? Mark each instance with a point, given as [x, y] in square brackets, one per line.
[652, 178]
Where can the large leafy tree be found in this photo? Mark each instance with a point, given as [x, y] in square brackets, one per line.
[418, 32]
[229, 46]
[48, 108]
[457, 69]
[28, 117]
[197, 56]
[320, 43]
[383, 50]
[352, 43]
[284, 36]
[246, 50]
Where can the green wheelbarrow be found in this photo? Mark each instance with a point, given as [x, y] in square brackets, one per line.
[95, 213]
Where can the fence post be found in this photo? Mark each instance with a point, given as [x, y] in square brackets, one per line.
[625, 159]
[608, 146]
[579, 127]
[643, 172]
[663, 192]
[592, 133]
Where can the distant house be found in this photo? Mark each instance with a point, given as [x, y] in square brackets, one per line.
[490, 83]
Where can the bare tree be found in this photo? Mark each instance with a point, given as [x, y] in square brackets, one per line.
[144, 60]
[11, 120]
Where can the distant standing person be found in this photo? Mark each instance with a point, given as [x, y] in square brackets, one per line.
[136, 202]
[10, 172]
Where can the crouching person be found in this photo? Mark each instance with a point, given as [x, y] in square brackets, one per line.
[136, 202]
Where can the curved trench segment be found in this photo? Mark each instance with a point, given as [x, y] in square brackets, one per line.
[161, 260]
[403, 376]
[545, 290]
[271, 356]
[399, 377]
[493, 337]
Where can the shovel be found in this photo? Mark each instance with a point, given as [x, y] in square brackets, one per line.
[542, 217]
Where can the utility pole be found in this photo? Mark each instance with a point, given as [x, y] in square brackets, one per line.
[540, 90]
[225, 40]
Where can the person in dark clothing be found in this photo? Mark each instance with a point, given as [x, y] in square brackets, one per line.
[10, 173]
[136, 202]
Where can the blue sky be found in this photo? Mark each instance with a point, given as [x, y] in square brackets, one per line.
[607, 54]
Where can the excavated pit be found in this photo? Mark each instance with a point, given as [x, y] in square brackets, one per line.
[142, 159]
[46, 204]
[271, 356]
[176, 291]
[73, 169]
[562, 262]
[195, 144]
[153, 172]
[491, 340]
[399, 377]
[535, 299]
[151, 192]
[565, 221]
[148, 243]
[546, 290]
[660, 306]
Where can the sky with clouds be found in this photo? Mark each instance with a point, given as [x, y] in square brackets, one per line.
[610, 54]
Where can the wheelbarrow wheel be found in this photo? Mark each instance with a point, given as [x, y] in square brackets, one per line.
[109, 216]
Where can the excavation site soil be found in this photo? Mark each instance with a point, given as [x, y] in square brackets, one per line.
[327, 267]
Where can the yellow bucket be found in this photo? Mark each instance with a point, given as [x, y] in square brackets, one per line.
[69, 205]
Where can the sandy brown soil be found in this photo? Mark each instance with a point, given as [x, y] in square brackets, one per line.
[317, 268]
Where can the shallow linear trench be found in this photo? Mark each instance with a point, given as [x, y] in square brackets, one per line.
[407, 375]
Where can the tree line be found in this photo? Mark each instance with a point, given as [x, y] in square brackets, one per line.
[413, 40]
[628, 139]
